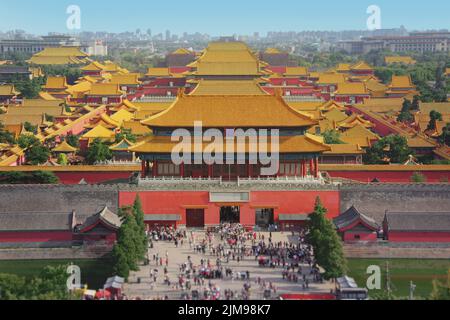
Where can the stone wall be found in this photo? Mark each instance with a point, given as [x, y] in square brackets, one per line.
[54, 253]
[86, 200]
[375, 199]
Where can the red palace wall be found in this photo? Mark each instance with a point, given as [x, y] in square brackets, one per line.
[26, 237]
[389, 176]
[418, 236]
[350, 236]
[285, 202]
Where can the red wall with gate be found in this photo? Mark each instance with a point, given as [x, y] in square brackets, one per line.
[283, 202]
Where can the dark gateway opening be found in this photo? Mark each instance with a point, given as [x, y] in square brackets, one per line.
[265, 218]
[195, 218]
[230, 215]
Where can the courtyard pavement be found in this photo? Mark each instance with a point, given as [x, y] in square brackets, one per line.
[141, 286]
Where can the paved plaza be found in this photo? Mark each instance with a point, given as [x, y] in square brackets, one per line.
[142, 286]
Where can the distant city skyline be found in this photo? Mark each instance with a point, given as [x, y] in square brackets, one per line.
[220, 18]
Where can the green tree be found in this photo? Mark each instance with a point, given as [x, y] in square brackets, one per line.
[444, 138]
[70, 72]
[37, 154]
[434, 118]
[405, 114]
[393, 148]
[26, 140]
[62, 159]
[36, 177]
[29, 127]
[398, 150]
[13, 177]
[140, 221]
[49, 285]
[12, 287]
[73, 140]
[98, 152]
[125, 134]
[441, 291]
[326, 243]
[127, 250]
[418, 177]
[332, 137]
[120, 258]
[28, 88]
[44, 177]
[415, 105]
[6, 136]
[49, 117]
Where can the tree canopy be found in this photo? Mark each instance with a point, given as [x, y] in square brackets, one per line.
[328, 249]
[131, 246]
[332, 137]
[98, 152]
[390, 149]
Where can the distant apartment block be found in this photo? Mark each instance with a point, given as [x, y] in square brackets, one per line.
[32, 46]
[416, 42]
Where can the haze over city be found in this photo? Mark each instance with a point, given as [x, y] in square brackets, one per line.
[222, 18]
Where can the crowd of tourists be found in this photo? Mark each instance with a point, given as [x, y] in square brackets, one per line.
[215, 249]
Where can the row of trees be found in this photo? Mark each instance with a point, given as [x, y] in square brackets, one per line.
[428, 77]
[132, 243]
[51, 284]
[35, 177]
[328, 249]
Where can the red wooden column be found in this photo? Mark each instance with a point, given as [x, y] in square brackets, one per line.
[143, 168]
[311, 166]
[249, 170]
[303, 168]
[155, 168]
[182, 169]
[316, 167]
[210, 171]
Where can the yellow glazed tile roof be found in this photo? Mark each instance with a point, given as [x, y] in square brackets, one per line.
[294, 144]
[61, 52]
[47, 96]
[354, 120]
[401, 82]
[230, 111]
[227, 58]
[331, 78]
[8, 90]
[158, 72]
[98, 132]
[121, 116]
[352, 88]
[296, 71]
[136, 128]
[335, 115]
[126, 79]
[399, 59]
[338, 149]
[362, 65]
[93, 66]
[64, 147]
[56, 83]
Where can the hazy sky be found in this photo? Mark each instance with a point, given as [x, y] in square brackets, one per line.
[221, 17]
